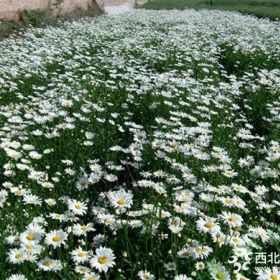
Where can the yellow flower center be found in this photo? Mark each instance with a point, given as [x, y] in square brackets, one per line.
[84, 228]
[175, 222]
[78, 206]
[200, 265]
[220, 275]
[81, 254]
[208, 224]
[121, 201]
[29, 248]
[274, 277]
[91, 278]
[30, 237]
[46, 263]
[199, 250]
[235, 239]
[232, 219]
[102, 260]
[228, 201]
[146, 277]
[186, 254]
[56, 238]
[108, 222]
[18, 256]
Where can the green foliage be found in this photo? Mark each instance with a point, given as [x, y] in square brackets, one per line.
[35, 18]
[176, 106]
[6, 28]
[270, 9]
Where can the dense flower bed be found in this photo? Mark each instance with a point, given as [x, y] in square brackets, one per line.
[141, 146]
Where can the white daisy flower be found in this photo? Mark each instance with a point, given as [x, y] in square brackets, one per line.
[201, 252]
[31, 249]
[48, 264]
[32, 199]
[145, 275]
[77, 207]
[236, 241]
[182, 277]
[35, 155]
[185, 253]
[91, 276]
[103, 259]
[176, 224]
[82, 183]
[30, 237]
[232, 219]
[269, 274]
[17, 277]
[79, 255]
[218, 271]
[207, 225]
[16, 256]
[120, 199]
[81, 269]
[82, 230]
[56, 238]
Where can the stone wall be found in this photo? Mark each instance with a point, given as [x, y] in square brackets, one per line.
[11, 9]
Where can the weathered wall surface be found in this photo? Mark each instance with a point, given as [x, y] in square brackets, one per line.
[11, 9]
[116, 6]
[105, 3]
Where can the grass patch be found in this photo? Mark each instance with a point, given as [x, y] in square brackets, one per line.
[269, 9]
[7, 28]
[36, 18]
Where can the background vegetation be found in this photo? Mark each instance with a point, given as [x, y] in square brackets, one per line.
[260, 8]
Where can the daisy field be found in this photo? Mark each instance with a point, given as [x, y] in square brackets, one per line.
[141, 146]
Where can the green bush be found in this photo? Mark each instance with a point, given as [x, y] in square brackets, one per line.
[36, 18]
[6, 28]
